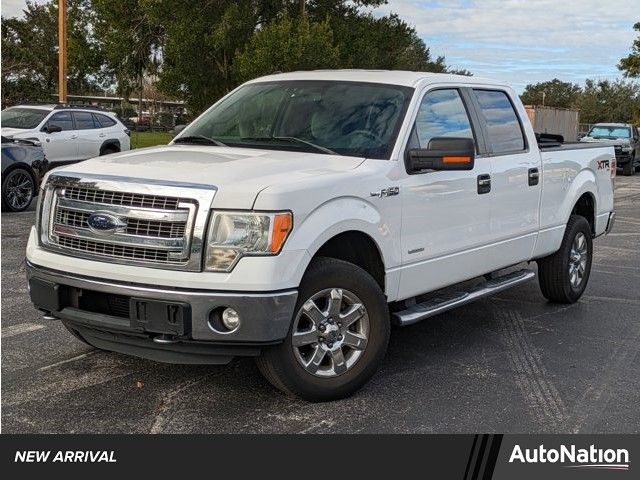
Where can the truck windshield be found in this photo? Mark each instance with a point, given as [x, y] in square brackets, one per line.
[344, 118]
[604, 131]
[26, 118]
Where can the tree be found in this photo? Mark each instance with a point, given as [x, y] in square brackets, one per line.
[287, 45]
[132, 39]
[30, 53]
[606, 101]
[554, 93]
[630, 65]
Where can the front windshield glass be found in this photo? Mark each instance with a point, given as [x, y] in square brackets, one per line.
[346, 118]
[18, 117]
[603, 131]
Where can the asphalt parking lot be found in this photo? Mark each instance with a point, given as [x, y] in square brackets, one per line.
[511, 363]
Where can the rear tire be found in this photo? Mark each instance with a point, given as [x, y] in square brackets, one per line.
[341, 328]
[563, 276]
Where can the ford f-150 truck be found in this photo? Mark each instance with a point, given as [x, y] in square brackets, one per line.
[303, 214]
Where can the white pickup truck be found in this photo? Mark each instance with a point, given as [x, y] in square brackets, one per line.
[303, 214]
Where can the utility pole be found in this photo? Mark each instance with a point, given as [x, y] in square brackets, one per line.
[62, 51]
[302, 7]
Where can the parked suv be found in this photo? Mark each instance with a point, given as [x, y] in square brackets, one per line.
[68, 134]
[626, 140]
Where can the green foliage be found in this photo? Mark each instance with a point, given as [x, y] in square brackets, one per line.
[149, 139]
[124, 111]
[630, 65]
[287, 45]
[556, 93]
[605, 101]
[131, 38]
[30, 58]
[198, 51]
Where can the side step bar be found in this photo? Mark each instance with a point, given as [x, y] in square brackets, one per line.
[435, 306]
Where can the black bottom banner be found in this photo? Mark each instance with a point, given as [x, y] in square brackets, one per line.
[464, 457]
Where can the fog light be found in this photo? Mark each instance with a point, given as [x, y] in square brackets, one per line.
[230, 319]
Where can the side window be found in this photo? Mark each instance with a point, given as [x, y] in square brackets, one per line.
[61, 119]
[441, 114]
[102, 121]
[84, 121]
[504, 129]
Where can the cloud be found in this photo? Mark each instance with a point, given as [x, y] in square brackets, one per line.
[13, 8]
[523, 41]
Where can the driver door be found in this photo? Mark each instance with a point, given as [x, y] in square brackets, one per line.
[61, 147]
[445, 216]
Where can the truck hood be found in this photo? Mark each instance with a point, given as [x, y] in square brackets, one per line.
[239, 174]
[621, 142]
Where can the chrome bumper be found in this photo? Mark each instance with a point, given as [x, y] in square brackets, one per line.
[265, 317]
[610, 222]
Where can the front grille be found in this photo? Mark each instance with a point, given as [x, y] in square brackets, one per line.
[73, 218]
[135, 226]
[121, 198]
[150, 228]
[115, 251]
[128, 222]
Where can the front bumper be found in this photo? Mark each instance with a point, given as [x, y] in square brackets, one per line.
[161, 323]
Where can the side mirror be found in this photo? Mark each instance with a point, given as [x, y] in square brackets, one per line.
[442, 153]
[52, 128]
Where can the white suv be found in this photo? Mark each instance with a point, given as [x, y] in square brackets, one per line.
[67, 133]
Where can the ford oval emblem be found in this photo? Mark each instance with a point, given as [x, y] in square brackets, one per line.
[102, 222]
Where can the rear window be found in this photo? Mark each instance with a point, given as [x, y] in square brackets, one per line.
[503, 127]
[103, 121]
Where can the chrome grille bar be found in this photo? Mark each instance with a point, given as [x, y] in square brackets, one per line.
[158, 225]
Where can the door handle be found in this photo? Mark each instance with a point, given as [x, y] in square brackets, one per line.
[484, 184]
[73, 136]
[534, 176]
[102, 135]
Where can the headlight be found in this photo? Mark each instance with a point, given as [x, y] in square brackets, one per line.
[626, 148]
[233, 235]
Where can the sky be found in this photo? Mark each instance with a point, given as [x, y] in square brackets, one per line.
[518, 41]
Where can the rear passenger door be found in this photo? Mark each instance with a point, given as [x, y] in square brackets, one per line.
[515, 179]
[89, 140]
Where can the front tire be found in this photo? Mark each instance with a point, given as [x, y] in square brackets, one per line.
[629, 168]
[18, 189]
[338, 336]
[563, 276]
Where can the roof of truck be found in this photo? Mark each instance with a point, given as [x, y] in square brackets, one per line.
[392, 77]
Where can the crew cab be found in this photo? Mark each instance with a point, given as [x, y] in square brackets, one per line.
[304, 213]
[67, 133]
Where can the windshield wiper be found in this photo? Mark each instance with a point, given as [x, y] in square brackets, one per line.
[199, 140]
[292, 139]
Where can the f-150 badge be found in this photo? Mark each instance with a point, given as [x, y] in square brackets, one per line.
[386, 192]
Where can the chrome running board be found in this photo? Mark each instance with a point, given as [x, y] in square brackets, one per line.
[442, 303]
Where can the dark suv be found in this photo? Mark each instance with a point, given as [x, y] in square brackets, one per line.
[625, 139]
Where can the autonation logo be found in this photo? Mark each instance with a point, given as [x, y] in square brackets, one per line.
[573, 457]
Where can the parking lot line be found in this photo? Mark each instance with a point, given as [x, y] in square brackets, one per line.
[21, 328]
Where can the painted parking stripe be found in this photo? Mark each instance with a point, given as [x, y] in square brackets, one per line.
[14, 330]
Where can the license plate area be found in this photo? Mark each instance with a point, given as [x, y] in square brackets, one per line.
[162, 317]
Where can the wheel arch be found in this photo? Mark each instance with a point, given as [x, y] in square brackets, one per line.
[112, 142]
